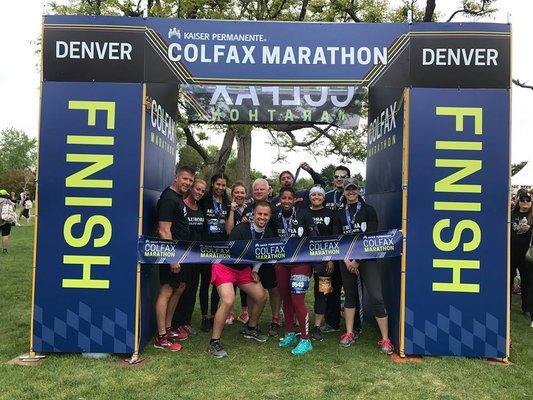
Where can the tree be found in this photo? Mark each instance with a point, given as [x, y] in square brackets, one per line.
[19, 151]
[18, 181]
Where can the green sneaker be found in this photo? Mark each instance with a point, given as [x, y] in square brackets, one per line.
[303, 347]
[290, 338]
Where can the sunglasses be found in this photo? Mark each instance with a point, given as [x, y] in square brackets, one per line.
[525, 199]
[340, 176]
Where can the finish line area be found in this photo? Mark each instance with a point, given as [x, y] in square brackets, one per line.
[437, 168]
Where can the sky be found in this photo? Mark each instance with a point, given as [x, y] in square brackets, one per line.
[19, 80]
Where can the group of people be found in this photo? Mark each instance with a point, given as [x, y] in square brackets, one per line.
[521, 229]
[190, 209]
[8, 214]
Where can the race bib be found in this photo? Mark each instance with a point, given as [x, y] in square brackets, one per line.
[215, 226]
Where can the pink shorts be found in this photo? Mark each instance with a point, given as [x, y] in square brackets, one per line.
[222, 274]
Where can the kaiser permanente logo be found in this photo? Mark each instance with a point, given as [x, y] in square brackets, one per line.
[269, 251]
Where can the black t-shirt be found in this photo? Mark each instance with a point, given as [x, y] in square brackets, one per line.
[334, 199]
[356, 218]
[196, 223]
[243, 232]
[215, 220]
[170, 208]
[517, 239]
[323, 220]
[298, 224]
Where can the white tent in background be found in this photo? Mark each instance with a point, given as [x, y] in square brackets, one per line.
[524, 177]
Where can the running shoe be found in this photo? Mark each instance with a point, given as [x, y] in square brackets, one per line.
[243, 316]
[205, 326]
[179, 334]
[304, 346]
[289, 339]
[531, 324]
[254, 333]
[328, 329]
[386, 346]
[216, 350]
[274, 329]
[189, 329]
[165, 343]
[347, 339]
[317, 334]
[229, 319]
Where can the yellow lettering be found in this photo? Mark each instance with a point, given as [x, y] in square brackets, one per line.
[100, 161]
[460, 113]
[456, 285]
[448, 184]
[86, 236]
[457, 232]
[92, 140]
[85, 282]
[92, 107]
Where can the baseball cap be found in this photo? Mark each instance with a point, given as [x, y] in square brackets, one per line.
[3, 192]
[350, 182]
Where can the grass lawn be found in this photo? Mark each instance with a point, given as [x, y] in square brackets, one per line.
[252, 371]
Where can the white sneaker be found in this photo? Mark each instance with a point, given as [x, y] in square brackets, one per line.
[531, 324]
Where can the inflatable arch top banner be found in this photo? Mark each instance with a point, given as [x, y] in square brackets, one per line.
[275, 72]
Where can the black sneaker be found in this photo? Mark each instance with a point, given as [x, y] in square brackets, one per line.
[274, 329]
[317, 334]
[205, 326]
[216, 350]
[4, 251]
[328, 328]
[253, 333]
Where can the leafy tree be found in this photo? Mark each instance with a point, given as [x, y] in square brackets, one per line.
[18, 150]
[17, 180]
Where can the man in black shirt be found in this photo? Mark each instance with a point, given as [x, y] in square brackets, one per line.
[335, 197]
[224, 277]
[172, 224]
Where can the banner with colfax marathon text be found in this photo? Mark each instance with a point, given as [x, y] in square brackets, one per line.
[272, 250]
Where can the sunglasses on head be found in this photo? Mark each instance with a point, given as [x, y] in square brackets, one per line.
[340, 176]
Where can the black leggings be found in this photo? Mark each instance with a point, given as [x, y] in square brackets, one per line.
[185, 308]
[205, 281]
[518, 260]
[368, 269]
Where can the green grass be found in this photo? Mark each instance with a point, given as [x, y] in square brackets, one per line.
[252, 371]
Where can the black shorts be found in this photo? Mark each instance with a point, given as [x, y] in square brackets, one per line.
[167, 277]
[6, 229]
[267, 274]
[26, 213]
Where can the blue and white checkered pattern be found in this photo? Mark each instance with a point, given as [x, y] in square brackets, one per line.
[454, 334]
[83, 331]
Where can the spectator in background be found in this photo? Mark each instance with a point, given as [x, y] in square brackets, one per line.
[26, 206]
[8, 218]
[521, 222]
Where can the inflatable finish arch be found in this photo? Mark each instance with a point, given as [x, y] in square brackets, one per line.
[438, 160]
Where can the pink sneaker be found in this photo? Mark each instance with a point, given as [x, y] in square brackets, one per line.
[386, 346]
[189, 329]
[229, 319]
[347, 339]
[179, 334]
[166, 344]
[243, 316]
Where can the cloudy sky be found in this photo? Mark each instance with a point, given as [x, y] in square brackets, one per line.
[19, 78]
